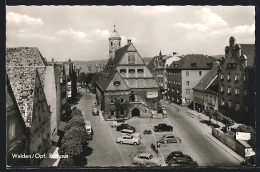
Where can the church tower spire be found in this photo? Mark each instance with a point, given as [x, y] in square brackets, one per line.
[114, 43]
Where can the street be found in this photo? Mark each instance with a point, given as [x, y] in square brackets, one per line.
[194, 135]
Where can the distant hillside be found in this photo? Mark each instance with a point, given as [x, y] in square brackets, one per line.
[84, 66]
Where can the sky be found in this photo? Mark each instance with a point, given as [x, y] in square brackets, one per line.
[81, 32]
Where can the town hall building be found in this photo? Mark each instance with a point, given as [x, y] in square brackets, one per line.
[125, 88]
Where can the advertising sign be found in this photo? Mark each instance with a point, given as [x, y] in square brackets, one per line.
[152, 94]
[243, 136]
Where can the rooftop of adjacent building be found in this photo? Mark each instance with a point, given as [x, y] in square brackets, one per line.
[210, 78]
[193, 61]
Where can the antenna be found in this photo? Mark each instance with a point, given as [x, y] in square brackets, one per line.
[114, 26]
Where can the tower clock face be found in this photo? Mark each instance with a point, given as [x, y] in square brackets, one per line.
[115, 42]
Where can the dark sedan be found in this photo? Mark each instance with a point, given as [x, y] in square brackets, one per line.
[176, 154]
[182, 161]
[163, 127]
[125, 126]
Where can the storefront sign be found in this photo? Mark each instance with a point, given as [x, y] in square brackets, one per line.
[243, 136]
[152, 94]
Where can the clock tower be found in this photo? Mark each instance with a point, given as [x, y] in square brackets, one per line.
[114, 43]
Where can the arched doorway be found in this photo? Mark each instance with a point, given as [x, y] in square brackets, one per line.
[136, 112]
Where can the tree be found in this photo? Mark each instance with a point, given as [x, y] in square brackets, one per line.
[228, 122]
[75, 121]
[66, 162]
[71, 148]
[75, 133]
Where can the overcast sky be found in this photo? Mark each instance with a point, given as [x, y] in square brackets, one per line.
[82, 32]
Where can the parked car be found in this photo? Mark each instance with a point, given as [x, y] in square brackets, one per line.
[175, 154]
[163, 127]
[169, 138]
[118, 122]
[147, 132]
[130, 133]
[146, 159]
[125, 126]
[127, 139]
[182, 161]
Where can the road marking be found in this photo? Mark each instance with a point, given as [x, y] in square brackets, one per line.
[116, 144]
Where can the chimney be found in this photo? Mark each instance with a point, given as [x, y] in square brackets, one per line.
[129, 41]
[226, 51]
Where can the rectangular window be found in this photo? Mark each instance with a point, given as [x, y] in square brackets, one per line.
[140, 70]
[228, 77]
[195, 94]
[188, 101]
[229, 104]
[222, 102]
[221, 76]
[122, 112]
[246, 108]
[187, 83]
[177, 90]
[229, 90]
[237, 107]
[12, 130]
[222, 88]
[112, 101]
[187, 73]
[187, 91]
[202, 97]
[237, 91]
[200, 73]
[122, 71]
[122, 100]
[112, 112]
[236, 77]
[179, 82]
[246, 93]
[131, 71]
[173, 90]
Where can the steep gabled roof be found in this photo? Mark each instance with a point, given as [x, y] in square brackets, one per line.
[112, 63]
[193, 61]
[24, 56]
[209, 78]
[249, 51]
[104, 78]
[22, 81]
[150, 66]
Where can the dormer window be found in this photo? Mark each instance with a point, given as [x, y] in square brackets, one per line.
[122, 71]
[116, 83]
[140, 70]
[194, 64]
[132, 71]
[237, 91]
[229, 104]
[222, 88]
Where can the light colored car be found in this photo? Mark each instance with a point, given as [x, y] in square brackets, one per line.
[169, 138]
[136, 135]
[117, 123]
[146, 158]
[128, 140]
[127, 131]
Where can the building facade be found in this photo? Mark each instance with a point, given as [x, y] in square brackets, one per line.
[236, 82]
[126, 87]
[26, 70]
[185, 74]
[206, 91]
[17, 135]
[158, 67]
